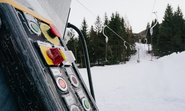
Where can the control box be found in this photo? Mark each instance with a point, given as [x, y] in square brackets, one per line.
[40, 70]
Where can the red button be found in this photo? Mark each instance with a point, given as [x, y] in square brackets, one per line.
[54, 31]
[55, 55]
[61, 83]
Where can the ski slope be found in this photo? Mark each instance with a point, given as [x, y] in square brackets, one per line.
[157, 85]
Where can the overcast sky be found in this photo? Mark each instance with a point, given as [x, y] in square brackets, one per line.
[137, 12]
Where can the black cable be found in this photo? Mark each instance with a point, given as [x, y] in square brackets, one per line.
[86, 57]
[0, 22]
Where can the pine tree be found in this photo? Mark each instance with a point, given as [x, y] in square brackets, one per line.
[74, 47]
[183, 37]
[155, 38]
[171, 32]
[85, 34]
[113, 39]
[117, 50]
[131, 40]
[84, 29]
[178, 24]
[166, 33]
[147, 33]
[99, 42]
[92, 45]
[116, 45]
[106, 20]
[98, 25]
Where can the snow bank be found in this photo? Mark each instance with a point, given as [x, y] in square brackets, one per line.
[156, 85]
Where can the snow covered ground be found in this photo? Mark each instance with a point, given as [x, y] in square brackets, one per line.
[157, 85]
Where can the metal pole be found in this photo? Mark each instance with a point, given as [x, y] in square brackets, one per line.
[106, 43]
[151, 33]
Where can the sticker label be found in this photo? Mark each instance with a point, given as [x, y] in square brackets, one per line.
[69, 70]
[70, 100]
[55, 71]
[80, 94]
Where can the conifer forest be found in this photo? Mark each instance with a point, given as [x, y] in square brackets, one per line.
[111, 41]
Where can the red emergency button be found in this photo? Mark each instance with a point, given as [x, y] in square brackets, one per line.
[55, 55]
[61, 83]
[53, 31]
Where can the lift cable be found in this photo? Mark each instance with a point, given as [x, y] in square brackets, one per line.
[125, 42]
[90, 11]
[106, 37]
[154, 4]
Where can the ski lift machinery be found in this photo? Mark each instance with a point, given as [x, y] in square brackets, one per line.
[37, 71]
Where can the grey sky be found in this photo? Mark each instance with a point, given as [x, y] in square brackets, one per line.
[136, 12]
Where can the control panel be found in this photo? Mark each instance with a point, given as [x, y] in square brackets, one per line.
[42, 70]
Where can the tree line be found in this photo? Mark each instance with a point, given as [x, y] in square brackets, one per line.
[169, 36]
[104, 45]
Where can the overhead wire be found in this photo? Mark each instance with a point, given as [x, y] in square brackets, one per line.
[92, 13]
[106, 37]
[120, 37]
[150, 28]
[154, 5]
